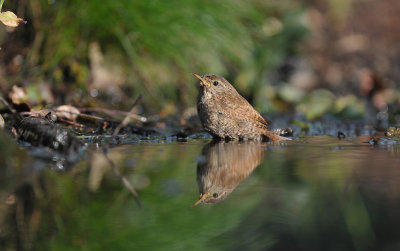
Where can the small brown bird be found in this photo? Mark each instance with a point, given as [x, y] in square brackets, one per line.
[224, 165]
[225, 114]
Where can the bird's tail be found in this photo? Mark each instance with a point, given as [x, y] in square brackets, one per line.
[273, 137]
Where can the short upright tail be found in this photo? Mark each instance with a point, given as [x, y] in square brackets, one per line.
[273, 137]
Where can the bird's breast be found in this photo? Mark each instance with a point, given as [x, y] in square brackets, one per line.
[207, 109]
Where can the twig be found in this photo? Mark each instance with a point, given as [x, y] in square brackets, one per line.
[74, 113]
[127, 117]
[85, 115]
[8, 105]
[67, 121]
[124, 180]
[112, 113]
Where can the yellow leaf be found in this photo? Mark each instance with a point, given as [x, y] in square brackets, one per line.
[10, 19]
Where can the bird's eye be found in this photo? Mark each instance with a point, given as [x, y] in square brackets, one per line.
[215, 195]
[215, 83]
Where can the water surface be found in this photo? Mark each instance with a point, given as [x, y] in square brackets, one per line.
[313, 193]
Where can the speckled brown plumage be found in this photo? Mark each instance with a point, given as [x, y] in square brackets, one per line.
[225, 114]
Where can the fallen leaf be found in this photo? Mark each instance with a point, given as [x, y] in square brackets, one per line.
[10, 19]
[67, 112]
[18, 95]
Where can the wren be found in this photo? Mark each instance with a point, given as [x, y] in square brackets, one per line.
[224, 165]
[225, 114]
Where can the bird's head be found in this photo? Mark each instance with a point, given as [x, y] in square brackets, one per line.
[214, 84]
[212, 196]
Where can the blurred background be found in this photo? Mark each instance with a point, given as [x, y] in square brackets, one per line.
[310, 57]
[296, 61]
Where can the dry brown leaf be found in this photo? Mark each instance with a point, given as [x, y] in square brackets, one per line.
[18, 95]
[10, 19]
[67, 112]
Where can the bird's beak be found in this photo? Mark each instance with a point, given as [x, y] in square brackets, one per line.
[203, 82]
[202, 198]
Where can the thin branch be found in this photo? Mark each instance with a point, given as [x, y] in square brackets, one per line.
[67, 121]
[124, 180]
[85, 115]
[128, 116]
[73, 113]
[112, 113]
[8, 105]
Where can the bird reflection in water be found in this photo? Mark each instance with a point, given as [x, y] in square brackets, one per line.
[223, 165]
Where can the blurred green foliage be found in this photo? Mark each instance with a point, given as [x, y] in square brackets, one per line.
[157, 44]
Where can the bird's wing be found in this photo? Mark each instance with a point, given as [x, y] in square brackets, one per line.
[242, 111]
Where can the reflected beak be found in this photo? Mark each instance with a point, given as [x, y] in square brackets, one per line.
[203, 82]
[202, 198]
